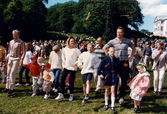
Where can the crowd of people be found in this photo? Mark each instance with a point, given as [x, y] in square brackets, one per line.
[119, 63]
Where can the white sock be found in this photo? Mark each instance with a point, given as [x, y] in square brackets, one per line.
[106, 100]
[112, 102]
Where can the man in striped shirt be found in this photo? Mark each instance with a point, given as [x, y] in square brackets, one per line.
[98, 50]
[121, 45]
[16, 52]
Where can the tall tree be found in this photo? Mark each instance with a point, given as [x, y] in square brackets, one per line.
[104, 17]
[26, 15]
[60, 17]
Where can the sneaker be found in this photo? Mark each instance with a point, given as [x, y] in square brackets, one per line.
[84, 101]
[86, 98]
[105, 107]
[18, 84]
[154, 92]
[46, 96]
[10, 91]
[68, 91]
[121, 101]
[60, 96]
[27, 84]
[67, 84]
[71, 97]
[34, 94]
[135, 110]
[113, 110]
[5, 90]
[97, 92]
[55, 90]
[138, 108]
[159, 93]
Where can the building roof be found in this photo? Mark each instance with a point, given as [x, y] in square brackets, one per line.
[158, 18]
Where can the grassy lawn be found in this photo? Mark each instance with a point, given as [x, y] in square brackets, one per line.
[21, 102]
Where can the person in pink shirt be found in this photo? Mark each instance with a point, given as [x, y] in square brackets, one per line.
[139, 85]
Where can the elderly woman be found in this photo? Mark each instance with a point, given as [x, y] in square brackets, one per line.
[159, 57]
[55, 59]
[70, 56]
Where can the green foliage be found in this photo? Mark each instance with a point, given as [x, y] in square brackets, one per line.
[60, 17]
[105, 17]
[31, 17]
[26, 15]
[147, 32]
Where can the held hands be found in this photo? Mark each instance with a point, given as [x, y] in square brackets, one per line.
[74, 65]
[21, 62]
[129, 59]
[92, 67]
[101, 76]
[41, 78]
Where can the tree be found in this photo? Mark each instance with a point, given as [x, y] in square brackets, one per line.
[3, 27]
[60, 17]
[146, 32]
[107, 15]
[26, 15]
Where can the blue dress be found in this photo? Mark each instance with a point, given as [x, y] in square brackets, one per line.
[109, 68]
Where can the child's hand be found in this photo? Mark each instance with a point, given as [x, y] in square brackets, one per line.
[41, 78]
[101, 76]
[74, 65]
[92, 67]
[81, 67]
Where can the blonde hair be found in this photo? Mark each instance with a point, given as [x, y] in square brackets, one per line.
[56, 48]
[68, 41]
[16, 32]
[142, 65]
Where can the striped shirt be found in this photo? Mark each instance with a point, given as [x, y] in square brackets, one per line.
[99, 52]
[16, 48]
[121, 48]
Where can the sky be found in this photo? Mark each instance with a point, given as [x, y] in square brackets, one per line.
[150, 9]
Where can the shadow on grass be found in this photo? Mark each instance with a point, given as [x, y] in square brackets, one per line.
[23, 93]
[153, 107]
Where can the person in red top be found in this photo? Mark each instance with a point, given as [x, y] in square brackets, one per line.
[36, 73]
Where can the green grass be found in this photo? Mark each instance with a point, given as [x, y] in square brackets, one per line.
[21, 102]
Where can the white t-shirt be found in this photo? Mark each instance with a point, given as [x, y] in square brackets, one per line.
[27, 57]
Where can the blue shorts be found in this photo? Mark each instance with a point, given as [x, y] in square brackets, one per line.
[86, 77]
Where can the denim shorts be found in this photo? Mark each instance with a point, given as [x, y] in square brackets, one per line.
[86, 77]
